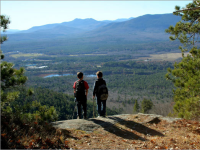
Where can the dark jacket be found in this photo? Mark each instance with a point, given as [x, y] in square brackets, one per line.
[98, 83]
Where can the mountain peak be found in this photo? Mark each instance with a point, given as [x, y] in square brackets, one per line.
[86, 19]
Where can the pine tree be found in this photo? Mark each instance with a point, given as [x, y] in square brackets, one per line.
[4, 25]
[11, 78]
[186, 73]
[136, 107]
[11, 82]
[146, 105]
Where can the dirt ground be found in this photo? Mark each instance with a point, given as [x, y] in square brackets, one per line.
[138, 131]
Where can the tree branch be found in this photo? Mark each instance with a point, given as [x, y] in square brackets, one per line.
[187, 9]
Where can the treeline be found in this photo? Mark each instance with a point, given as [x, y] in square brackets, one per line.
[66, 46]
[150, 65]
[64, 104]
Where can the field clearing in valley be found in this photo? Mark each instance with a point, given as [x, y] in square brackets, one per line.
[160, 57]
[167, 56]
[163, 57]
[26, 55]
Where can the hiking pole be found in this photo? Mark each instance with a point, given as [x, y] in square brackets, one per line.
[74, 108]
[93, 107]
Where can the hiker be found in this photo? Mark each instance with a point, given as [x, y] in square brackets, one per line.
[80, 92]
[99, 85]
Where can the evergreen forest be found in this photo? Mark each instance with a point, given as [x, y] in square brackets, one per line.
[144, 73]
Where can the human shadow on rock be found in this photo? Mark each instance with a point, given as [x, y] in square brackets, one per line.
[57, 123]
[137, 127]
[118, 131]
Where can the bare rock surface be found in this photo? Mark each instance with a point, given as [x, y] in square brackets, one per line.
[130, 131]
[153, 118]
[92, 124]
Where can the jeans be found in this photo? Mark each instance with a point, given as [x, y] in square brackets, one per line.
[101, 107]
[82, 103]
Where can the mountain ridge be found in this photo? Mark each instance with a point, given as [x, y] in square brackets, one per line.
[75, 22]
[143, 29]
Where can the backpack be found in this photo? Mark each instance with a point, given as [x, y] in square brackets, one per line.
[103, 92]
[80, 88]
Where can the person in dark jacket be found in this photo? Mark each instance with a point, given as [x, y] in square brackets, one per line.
[100, 81]
[80, 91]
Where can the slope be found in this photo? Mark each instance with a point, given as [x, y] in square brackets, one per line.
[115, 35]
[139, 131]
[145, 28]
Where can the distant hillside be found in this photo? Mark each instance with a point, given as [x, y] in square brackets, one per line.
[52, 31]
[122, 19]
[92, 34]
[78, 24]
[84, 24]
[87, 24]
[145, 28]
[10, 31]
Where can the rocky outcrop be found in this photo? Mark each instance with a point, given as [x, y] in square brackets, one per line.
[92, 124]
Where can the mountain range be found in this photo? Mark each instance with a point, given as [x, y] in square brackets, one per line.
[88, 32]
[87, 24]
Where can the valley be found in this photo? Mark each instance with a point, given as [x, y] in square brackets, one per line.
[148, 53]
[133, 55]
[128, 79]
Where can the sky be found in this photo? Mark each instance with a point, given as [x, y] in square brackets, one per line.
[26, 14]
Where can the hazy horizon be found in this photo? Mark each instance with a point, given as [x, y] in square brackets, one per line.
[27, 14]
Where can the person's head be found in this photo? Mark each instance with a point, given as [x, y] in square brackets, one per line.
[99, 74]
[80, 75]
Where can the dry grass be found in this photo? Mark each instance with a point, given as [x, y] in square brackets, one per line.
[163, 57]
[167, 56]
[131, 133]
